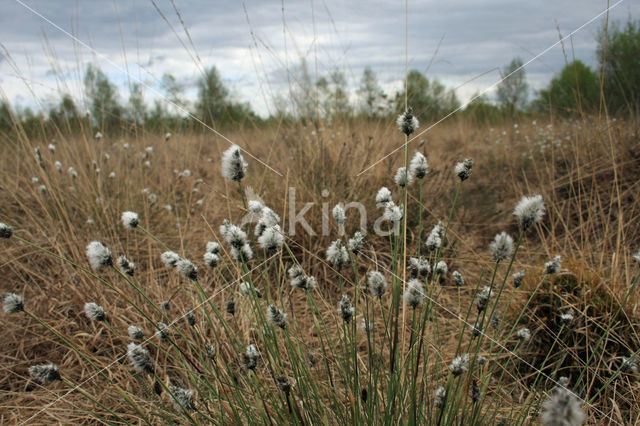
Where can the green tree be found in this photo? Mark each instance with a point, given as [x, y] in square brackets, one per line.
[303, 95]
[372, 97]
[576, 89]
[167, 114]
[334, 96]
[136, 102]
[173, 91]
[6, 117]
[619, 56]
[482, 112]
[430, 100]
[102, 97]
[212, 98]
[214, 105]
[513, 90]
[65, 115]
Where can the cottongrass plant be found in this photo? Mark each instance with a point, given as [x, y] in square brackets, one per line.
[45, 373]
[99, 255]
[234, 166]
[6, 231]
[12, 303]
[396, 349]
[94, 312]
[562, 407]
[140, 359]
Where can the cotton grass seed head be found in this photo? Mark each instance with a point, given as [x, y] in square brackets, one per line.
[38, 157]
[94, 312]
[495, 321]
[276, 317]
[440, 397]
[45, 373]
[12, 303]
[441, 268]
[255, 206]
[383, 196]
[170, 258]
[356, 243]
[187, 269]
[339, 214]
[268, 218]
[126, 266]
[459, 365]
[630, 365]
[242, 254]
[402, 178]
[434, 240]
[419, 267]
[376, 284]
[524, 334]
[182, 398]
[271, 239]
[190, 318]
[463, 169]
[562, 408]
[162, 331]
[458, 279]
[346, 309]
[130, 220]
[337, 254]
[234, 166]
[501, 247]
[393, 213]
[366, 326]
[475, 392]
[211, 351]
[418, 168]
[414, 293]
[230, 306]
[249, 289]
[518, 278]
[566, 318]
[407, 123]
[250, 357]
[529, 210]
[213, 247]
[301, 280]
[233, 234]
[99, 255]
[483, 297]
[284, 384]
[211, 259]
[135, 332]
[553, 266]
[476, 330]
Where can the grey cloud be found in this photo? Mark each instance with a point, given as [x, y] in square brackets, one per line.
[479, 35]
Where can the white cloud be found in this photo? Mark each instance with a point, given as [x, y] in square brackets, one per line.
[477, 36]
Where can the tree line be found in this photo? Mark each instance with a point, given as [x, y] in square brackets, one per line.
[576, 90]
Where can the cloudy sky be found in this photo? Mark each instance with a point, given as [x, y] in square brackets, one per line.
[254, 43]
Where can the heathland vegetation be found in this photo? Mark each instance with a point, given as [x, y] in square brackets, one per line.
[332, 263]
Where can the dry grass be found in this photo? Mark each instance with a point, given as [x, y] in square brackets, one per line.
[586, 171]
